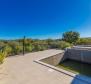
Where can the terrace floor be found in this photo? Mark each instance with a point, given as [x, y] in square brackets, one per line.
[23, 70]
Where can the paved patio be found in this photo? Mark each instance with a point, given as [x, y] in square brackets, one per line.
[23, 70]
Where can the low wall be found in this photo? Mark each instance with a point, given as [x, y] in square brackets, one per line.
[79, 55]
[55, 60]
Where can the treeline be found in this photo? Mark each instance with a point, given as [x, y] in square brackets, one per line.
[14, 47]
[84, 41]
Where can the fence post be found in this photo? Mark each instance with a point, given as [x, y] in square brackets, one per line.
[24, 45]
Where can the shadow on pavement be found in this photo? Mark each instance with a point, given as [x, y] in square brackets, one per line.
[80, 79]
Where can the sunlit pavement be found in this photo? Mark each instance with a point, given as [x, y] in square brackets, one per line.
[23, 70]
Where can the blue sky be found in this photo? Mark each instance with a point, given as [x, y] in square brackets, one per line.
[44, 18]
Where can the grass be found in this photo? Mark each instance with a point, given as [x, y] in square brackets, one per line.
[76, 67]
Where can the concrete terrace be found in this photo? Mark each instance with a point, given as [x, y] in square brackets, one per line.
[23, 70]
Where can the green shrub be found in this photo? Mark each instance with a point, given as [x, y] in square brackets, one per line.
[9, 50]
[29, 48]
[64, 45]
[2, 56]
[43, 47]
[54, 44]
[2, 44]
[84, 41]
[39, 47]
[16, 47]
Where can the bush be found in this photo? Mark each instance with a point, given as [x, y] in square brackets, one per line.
[16, 47]
[29, 47]
[9, 50]
[2, 56]
[53, 45]
[84, 41]
[2, 44]
[64, 45]
[38, 47]
[43, 47]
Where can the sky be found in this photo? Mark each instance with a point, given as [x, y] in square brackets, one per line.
[44, 18]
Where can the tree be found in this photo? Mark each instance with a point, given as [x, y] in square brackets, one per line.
[71, 37]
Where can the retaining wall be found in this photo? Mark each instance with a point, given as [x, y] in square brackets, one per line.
[78, 54]
[83, 55]
[55, 60]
